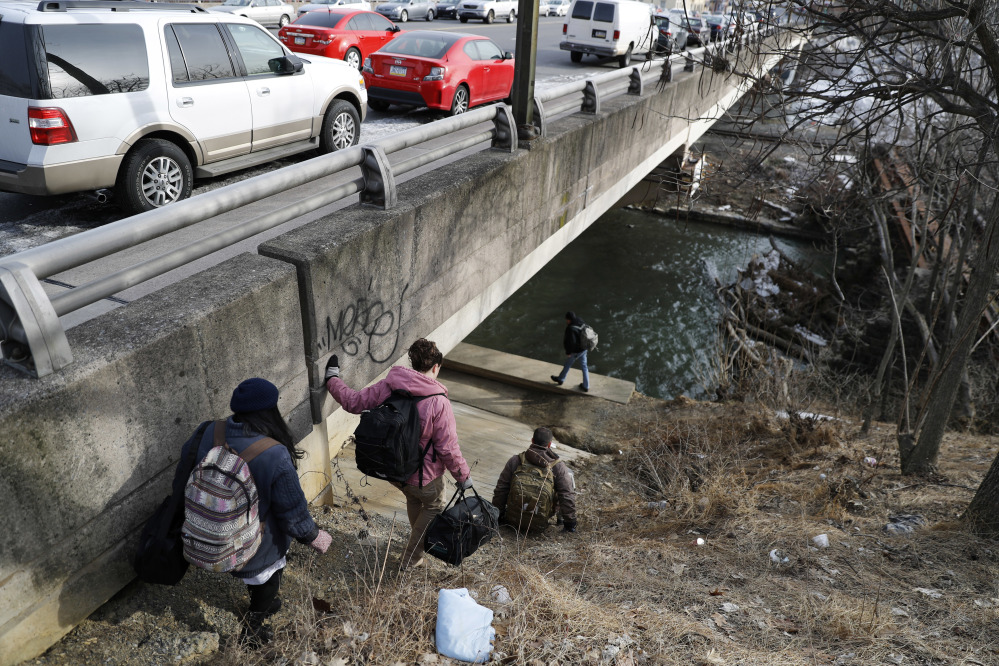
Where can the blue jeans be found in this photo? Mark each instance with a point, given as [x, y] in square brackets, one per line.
[568, 364]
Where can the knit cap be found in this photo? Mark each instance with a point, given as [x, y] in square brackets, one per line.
[253, 395]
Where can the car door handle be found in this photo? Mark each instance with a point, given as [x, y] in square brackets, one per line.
[263, 92]
[185, 102]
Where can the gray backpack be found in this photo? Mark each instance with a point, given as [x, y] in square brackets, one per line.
[587, 337]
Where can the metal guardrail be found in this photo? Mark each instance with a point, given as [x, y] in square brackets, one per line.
[32, 338]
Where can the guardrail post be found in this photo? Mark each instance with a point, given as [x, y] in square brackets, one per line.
[539, 119]
[506, 129]
[591, 98]
[688, 65]
[33, 339]
[635, 84]
[379, 183]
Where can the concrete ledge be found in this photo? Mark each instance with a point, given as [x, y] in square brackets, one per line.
[527, 372]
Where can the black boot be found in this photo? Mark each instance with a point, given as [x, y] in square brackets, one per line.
[254, 632]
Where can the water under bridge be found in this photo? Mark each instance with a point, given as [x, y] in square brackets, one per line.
[93, 416]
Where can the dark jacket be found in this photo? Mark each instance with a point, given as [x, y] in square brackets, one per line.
[542, 457]
[572, 341]
[280, 498]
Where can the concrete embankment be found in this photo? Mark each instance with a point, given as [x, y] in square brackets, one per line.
[89, 452]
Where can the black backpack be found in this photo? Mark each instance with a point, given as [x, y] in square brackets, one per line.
[461, 528]
[159, 557]
[387, 440]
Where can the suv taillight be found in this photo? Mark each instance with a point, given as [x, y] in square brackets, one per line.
[50, 126]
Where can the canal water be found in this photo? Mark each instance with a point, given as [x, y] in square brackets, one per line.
[643, 283]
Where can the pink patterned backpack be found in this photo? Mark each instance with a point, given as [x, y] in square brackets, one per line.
[221, 529]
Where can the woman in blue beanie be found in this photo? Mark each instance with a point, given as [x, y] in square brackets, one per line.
[282, 506]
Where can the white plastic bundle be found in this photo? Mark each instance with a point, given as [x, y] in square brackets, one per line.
[464, 628]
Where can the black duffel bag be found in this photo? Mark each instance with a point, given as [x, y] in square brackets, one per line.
[461, 527]
[159, 558]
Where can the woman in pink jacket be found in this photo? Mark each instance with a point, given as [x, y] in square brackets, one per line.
[425, 501]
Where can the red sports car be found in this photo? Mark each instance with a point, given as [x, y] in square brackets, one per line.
[339, 33]
[451, 71]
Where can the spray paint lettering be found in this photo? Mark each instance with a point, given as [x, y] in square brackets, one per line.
[366, 326]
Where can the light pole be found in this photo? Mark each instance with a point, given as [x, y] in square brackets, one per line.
[523, 77]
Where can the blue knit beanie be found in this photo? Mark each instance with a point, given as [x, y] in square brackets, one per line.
[253, 395]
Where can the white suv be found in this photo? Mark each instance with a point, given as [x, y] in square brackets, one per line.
[145, 97]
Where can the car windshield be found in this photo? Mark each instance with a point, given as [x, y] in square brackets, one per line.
[320, 19]
[236, 3]
[420, 44]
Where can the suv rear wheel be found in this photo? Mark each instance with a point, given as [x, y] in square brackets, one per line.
[341, 127]
[512, 16]
[154, 173]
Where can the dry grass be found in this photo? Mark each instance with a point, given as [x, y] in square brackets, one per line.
[632, 586]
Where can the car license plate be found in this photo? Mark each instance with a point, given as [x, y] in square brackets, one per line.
[395, 70]
[600, 33]
[300, 40]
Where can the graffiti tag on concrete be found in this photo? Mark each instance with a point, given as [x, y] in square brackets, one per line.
[366, 326]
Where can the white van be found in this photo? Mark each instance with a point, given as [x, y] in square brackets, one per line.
[608, 28]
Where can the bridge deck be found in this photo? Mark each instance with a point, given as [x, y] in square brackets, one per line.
[530, 373]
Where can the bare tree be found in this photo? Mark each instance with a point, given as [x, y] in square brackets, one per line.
[912, 86]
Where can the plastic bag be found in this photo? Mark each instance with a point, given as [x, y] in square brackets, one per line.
[464, 628]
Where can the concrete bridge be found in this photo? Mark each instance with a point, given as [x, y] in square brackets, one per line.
[89, 451]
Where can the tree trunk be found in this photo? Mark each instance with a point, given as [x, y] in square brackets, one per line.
[944, 384]
[983, 512]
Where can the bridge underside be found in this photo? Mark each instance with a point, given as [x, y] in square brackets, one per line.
[89, 452]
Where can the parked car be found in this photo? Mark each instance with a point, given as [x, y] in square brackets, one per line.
[672, 36]
[543, 7]
[487, 10]
[448, 9]
[559, 7]
[719, 25]
[403, 10]
[341, 33]
[264, 12]
[326, 4]
[144, 97]
[694, 26]
[608, 28]
[450, 71]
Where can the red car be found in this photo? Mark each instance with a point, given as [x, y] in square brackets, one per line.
[450, 71]
[339, 33]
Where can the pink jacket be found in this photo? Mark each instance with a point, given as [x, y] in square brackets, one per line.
[436, 418]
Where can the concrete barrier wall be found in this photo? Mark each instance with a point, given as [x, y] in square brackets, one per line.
[88, 453]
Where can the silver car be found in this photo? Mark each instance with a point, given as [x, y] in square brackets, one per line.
[264, 12]
[403, 10]
[326, 4]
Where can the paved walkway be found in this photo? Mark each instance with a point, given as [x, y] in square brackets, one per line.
[487, 439]
[530, 373]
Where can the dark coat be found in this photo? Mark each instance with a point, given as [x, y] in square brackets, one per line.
[281, 502]
[572, 341]
[542, 457]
